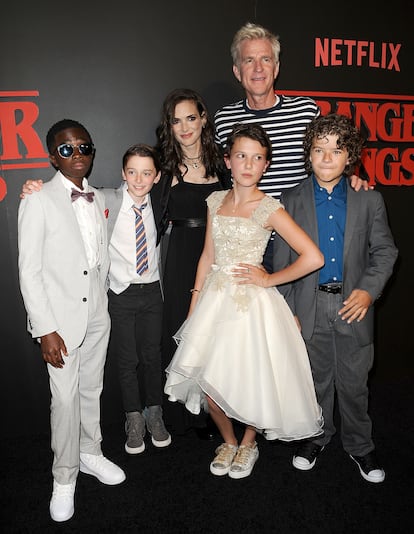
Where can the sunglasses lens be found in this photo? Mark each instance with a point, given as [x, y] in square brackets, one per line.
[65, 150]
[86, 149]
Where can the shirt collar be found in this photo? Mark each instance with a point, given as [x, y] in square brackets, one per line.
[128, 203]
[70, 185]
[339, 188]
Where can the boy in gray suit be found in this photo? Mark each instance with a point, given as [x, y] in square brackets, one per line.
[334, 306]
[63, 265]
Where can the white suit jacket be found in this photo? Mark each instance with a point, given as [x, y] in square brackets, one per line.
[53, 267]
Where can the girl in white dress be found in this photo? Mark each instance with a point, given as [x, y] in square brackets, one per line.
[240, 353]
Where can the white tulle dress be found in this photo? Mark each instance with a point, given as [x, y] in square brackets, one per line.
[241, 345]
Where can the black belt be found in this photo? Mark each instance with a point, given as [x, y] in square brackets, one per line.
[331, 288]
[140, 285]
[189, 223]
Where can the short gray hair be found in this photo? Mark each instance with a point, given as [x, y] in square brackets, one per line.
[253, 31]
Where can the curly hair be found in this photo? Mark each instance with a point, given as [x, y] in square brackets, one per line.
[349, 138]
[170, 151]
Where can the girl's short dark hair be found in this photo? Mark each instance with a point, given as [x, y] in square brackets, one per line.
[252, 131]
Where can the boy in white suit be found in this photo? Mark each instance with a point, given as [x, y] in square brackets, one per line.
[63, 266]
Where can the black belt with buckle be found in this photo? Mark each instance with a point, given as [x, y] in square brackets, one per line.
[330, 288]
[190, 223]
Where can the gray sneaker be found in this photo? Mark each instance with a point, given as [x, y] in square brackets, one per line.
[135, 431]
[155, 426]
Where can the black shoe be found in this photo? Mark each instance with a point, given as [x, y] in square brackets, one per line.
[369, 467]
[306, 455]
[205, 433]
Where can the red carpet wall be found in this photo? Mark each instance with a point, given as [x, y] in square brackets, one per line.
[111, 67]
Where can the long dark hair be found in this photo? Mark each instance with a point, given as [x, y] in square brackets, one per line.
[170, 151]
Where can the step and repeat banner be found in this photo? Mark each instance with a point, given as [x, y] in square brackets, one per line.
[110, 67]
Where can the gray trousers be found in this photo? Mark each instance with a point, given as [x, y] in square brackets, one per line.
[339, 364]
[76, 391]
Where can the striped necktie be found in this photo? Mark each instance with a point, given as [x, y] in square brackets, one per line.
[140, 241]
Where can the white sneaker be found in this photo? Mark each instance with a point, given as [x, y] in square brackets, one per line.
[244, 461]
[61, 504]
[101, 468]
[224, 456]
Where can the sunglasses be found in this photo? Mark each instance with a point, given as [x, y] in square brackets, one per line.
[66, 150]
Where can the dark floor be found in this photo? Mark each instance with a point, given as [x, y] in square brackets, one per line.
[172, 490]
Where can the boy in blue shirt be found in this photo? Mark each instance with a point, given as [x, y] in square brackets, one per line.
[334, 305]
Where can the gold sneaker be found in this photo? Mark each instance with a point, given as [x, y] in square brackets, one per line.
[244, 461]
[224, 456]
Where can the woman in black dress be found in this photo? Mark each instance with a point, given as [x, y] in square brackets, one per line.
[193, 168]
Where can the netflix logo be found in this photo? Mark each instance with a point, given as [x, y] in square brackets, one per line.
[350, 52]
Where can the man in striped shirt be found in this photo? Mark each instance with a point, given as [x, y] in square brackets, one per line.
[255, 52]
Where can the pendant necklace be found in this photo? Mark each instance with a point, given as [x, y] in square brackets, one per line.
[194, 162]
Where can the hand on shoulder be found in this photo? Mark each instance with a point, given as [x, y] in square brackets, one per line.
[31, 186]
[357, 183]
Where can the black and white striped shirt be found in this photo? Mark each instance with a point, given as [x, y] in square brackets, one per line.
[285, 124]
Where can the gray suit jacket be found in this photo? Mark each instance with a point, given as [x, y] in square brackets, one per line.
[53, 266]
[369, 254]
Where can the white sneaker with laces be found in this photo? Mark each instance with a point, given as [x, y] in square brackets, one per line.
[61, 506]
[224, 456]
[101, 468]
[244, 461]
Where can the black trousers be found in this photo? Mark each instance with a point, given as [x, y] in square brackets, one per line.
[136, 317]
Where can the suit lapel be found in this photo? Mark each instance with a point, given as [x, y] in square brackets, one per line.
[308, 209]
[353, 211]
[156, 208]
[62, 197]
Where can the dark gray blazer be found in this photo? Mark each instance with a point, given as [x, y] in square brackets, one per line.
[369, 254]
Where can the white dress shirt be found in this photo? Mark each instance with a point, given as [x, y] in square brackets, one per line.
[88, 223]
[122, 271]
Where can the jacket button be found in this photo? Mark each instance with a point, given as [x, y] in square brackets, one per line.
[85, 272]
[84, 299]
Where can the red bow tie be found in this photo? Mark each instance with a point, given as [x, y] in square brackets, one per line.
[77, 194]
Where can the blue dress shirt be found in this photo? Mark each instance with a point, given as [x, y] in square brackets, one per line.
[331, 216]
